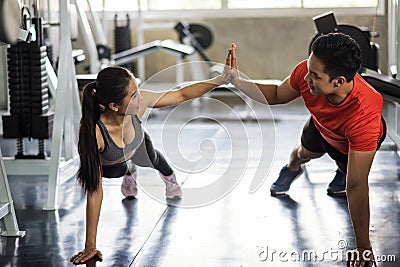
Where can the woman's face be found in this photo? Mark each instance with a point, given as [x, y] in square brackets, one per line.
[131, 102]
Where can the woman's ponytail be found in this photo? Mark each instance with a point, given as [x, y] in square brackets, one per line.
[90, 166]
[111, 85]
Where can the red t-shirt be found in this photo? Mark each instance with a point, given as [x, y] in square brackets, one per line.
[353, 124]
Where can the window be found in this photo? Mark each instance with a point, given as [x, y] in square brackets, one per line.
[114, 5]
[299, 3]
[183, 4]
[240, 4]
[238, 7]
[340, 3]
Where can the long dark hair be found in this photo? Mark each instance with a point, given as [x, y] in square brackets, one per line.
[111, 86]
[340, 53]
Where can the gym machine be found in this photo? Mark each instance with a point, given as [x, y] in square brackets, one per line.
[7, 211]
[122, 39]
[200, 37]
[100, 53]
[28, 87]
[389, 85]
[33, 87]
[169, 46]
[9, 11]
[326, 23]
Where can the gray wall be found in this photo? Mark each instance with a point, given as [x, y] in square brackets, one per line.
[267, 48]
[270, 47]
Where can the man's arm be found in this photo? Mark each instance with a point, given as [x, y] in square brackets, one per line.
[359, 165]
[270, 94]
[264, 93]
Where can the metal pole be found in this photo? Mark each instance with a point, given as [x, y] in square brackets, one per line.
[100, 36]
[86, 33]
[391, 35]
[59, 115]
[7, 205]
[397, 39]
[140, 40]
[36, 9]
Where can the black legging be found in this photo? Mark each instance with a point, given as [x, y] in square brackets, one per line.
[145, 156]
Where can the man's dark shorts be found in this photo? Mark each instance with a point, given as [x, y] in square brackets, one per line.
[312, 140]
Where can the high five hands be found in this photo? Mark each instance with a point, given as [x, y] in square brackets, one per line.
[231, 73]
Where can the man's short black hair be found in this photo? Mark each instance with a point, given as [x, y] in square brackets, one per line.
[340, 54]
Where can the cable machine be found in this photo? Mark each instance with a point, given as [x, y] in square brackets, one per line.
[33, 87]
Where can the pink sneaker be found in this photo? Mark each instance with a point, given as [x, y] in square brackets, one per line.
[172, 188]
[128, 186]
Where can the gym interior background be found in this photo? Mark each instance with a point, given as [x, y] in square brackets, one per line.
[240, 228]
[277, 38]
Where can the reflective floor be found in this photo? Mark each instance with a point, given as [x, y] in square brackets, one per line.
[227, 216]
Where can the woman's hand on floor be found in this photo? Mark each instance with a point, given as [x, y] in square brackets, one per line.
[85, 255]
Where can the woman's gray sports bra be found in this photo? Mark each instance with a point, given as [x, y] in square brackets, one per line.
[112, 152]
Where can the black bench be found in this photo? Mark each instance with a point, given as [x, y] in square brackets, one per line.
[384, 84]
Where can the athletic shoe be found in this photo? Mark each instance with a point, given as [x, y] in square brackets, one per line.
[338, 185]
[172, 188]
[128, 186]
[285, 179]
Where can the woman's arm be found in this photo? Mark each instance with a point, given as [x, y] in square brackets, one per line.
[93, 207]
[194, 90]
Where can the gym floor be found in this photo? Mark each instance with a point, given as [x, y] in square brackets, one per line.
[231, 228]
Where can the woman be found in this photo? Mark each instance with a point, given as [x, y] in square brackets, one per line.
[111, 139]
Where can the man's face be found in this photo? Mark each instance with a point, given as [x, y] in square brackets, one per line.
[317, 79]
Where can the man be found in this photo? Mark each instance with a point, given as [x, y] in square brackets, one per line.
[346, 122]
